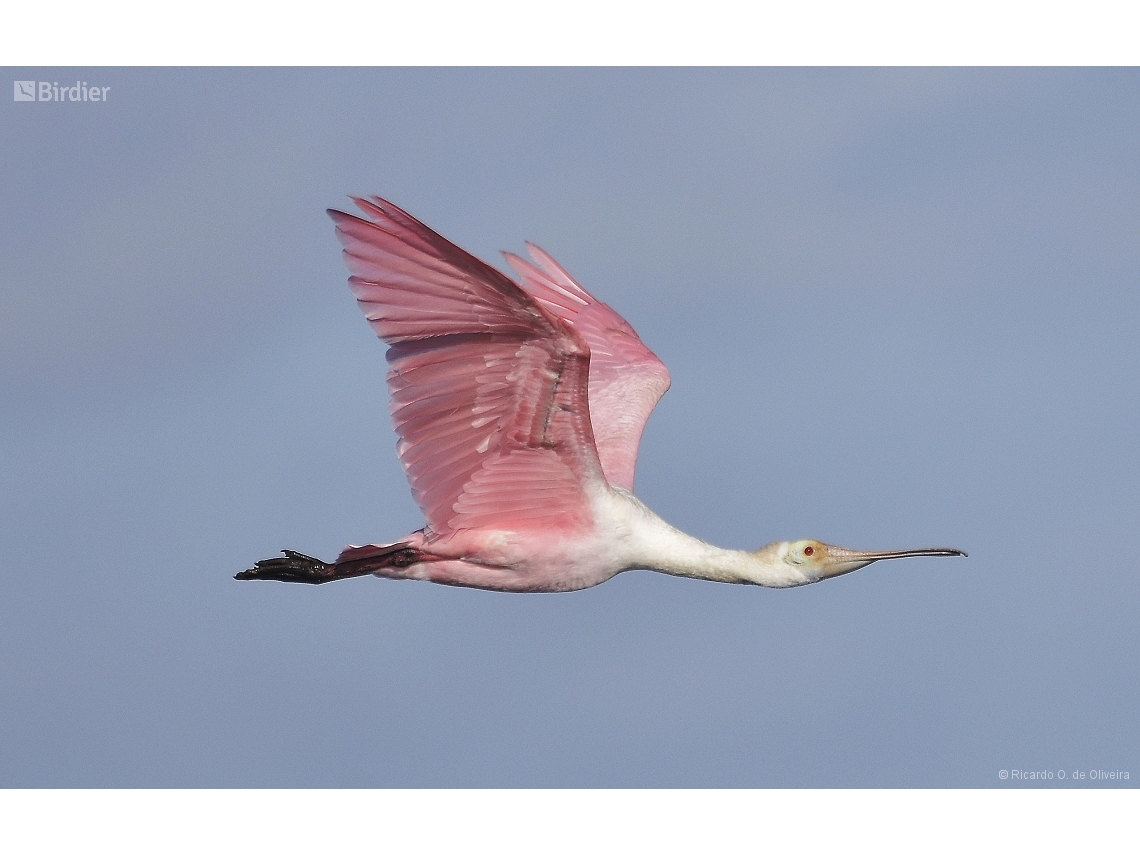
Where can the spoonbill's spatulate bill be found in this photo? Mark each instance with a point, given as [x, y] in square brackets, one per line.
[519, 408]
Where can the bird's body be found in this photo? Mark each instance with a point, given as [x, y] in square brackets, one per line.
[623, 534]
[519, 411]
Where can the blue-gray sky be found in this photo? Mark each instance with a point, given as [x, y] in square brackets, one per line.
[900, 309]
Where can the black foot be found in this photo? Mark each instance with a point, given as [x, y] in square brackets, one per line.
[294, 567]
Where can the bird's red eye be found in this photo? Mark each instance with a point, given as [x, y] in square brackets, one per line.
[809, 550]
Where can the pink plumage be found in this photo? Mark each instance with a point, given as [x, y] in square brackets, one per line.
[519, 410]
[626, 378]
[489, 390]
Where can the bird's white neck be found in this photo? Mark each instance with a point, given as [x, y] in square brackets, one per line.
[653, 544]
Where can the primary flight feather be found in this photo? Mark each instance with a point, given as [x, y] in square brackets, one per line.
[519, 409]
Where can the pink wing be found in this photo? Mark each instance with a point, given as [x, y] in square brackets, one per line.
[489, 390]
[626, 378]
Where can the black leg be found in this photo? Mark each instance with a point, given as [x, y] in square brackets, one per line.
[295, 567]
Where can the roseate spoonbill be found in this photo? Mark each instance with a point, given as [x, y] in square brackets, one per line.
[519, 408]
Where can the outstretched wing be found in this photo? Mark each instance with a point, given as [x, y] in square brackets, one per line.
[626, 378]
[489, 390]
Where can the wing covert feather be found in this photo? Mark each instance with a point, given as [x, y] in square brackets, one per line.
[626, 377]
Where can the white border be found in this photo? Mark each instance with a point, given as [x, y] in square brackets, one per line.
[589, 32]
[570, 821]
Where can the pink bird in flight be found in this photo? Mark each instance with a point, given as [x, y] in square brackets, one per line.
[519, 409]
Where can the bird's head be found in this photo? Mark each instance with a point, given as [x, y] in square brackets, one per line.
[802, 562]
